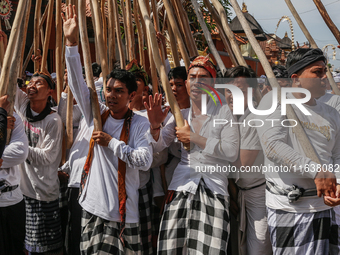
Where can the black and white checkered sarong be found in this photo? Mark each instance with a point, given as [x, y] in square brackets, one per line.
[43, 229]
[144, 205]
[304, 233]
[195, 224]
[101, 236]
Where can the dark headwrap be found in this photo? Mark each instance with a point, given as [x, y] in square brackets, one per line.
[138, 71]
[308, 58]
[47, 78]
[205, 63]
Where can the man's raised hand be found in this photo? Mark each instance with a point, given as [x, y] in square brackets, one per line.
[155, 113]
[70, 26]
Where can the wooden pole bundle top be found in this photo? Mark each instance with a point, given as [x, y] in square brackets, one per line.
[96, 15]
[47, 36]
[177, 34]
[208, 37]
[36, 32]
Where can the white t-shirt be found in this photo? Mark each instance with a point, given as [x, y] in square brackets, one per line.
[144, 176]
[250, 141]
[331, 100]
[14, 154]
[281, 147]
[100, 194]
[222, 147]
[39, 173]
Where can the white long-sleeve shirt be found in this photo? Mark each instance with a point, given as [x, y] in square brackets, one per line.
[282, 148]
[222, 147]
[39, 172]
[14, 154]
[100, 194]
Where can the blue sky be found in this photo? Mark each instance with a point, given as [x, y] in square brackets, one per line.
[269, 12]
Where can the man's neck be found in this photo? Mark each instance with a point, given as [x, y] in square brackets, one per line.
[137, 106]
[119, 115]
[184, 105]
[37, 106]
[196, 108]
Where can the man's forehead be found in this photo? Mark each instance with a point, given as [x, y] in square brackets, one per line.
[199, 71]
[176, 80]
[317, 64]
[114, 83]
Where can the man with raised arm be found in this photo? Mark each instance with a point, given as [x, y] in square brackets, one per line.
[110, 180]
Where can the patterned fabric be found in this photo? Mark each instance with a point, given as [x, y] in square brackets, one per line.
[205, 63]
[138, 71]
[303, 233]
[195, 224]
[101, 236]
[43, 231]
[63, 195]
[124, 136]
[145, 221]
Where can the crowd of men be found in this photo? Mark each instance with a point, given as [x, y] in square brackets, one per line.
[133, 188]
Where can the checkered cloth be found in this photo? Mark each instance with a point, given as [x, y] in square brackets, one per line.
[144, 205]
[101, 236]
[43, 231]
[195, 224]
[303, 233]
[63, 196]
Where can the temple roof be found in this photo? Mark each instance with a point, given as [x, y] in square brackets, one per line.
[285, 43]
[236, 27]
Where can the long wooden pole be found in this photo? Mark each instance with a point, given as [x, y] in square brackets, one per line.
[178, 36]
[29, 55]
[47, 36]
[69, 120]
[102, 9]
[126, 34]
[112, 39]
[129, 31]
[208, 37]
[24, 36]
[327, 19]
[161, 68]
[15, 64]
[95, 35]
[119, 36]
[88, 65]
[182, 28]
[11, 48]
[99, 28]
[36, 32]
[59, 49]
[184, 18]
[229, 33]
[173, 45]
[221, 31]
[312, 42]
[153, 69]
[140, 34]
[298, 129]
[2, 49]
